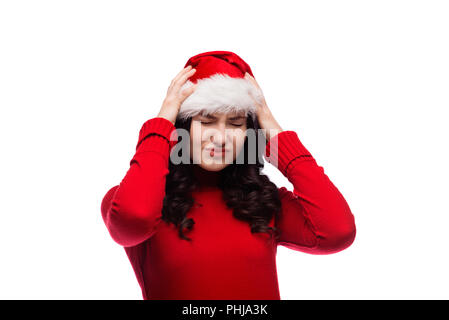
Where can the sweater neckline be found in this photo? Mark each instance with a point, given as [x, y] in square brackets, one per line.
[206, 179]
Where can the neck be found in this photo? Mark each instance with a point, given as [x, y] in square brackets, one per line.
[206, 178]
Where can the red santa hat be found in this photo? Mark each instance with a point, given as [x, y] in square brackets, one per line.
[221, 85]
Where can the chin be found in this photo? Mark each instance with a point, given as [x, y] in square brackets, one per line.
[213, 166]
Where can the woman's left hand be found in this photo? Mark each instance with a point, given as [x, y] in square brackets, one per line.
[264, 116]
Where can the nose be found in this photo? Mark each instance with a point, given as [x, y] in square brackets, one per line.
[219, 137]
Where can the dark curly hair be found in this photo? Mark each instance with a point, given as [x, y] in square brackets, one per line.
[251, 195]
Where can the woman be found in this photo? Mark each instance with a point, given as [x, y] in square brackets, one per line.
[209, 227]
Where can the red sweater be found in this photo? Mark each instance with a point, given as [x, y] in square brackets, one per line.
[224, 260]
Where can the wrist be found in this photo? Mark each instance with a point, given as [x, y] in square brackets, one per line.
[272, 128]
[270, 133]
[168, 115]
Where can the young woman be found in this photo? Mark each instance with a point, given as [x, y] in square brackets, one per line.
[209, 228]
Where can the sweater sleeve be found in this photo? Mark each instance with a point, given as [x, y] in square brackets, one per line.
[315, 218]
[133, 209]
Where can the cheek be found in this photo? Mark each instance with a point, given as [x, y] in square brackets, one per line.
[194, 141]
[196, 144]
[239, 141]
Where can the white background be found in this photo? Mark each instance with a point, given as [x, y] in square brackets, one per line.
[363, 83]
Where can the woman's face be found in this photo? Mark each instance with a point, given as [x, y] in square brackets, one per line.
[216, 139]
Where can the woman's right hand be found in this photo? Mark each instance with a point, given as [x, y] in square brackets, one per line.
[175, 97]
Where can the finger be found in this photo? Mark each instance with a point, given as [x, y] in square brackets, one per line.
[184, 78]
[183, 71]
[187, 92]
[250, 78]
[173, 82]
[252, 97]
[247, 75]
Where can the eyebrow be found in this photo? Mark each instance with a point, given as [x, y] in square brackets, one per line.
[209, 116]
[237, 117]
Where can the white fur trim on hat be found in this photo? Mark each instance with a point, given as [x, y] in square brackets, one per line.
[219, 93]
